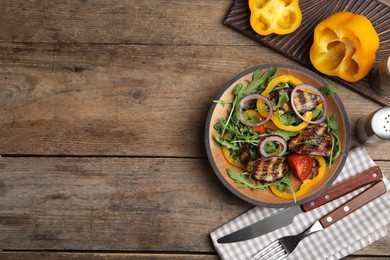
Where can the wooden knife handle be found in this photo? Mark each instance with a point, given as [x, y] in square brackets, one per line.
[350, 206]
[336, 191]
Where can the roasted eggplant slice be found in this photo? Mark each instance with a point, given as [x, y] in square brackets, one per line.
[313, 140]
[305, 101]
[268, 169]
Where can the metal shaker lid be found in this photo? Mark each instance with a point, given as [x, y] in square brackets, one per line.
[380, 123]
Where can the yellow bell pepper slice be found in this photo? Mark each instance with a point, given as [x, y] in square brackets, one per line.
[228, 157]
[281, 79]
[345, 46]
[254, 113]
[261, 107]
[306, 183]
[290, 128]
[275, 16]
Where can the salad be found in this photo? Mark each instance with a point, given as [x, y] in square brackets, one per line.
[278, 129]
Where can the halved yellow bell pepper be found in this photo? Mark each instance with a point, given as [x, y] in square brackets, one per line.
[275, 16]
[306, 183]
[344, 45]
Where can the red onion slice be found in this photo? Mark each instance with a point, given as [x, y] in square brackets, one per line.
[254, 97]
[317, 92]
[272, 138]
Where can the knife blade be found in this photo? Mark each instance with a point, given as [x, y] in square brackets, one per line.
[286, 216]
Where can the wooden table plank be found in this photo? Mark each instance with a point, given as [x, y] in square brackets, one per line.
[117, 204]
[59, 99]
[105, 256]
[111, 204]
[130, 22]
[120, 256]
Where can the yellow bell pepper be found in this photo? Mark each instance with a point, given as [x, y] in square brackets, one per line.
[226, 154]
[275, 16]
[290, 128]
[344, 45]
[281, 79]
[306, 183]
[254, 113]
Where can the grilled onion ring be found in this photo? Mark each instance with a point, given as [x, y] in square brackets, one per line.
[255, 97]
[315, 91]
[272, 138]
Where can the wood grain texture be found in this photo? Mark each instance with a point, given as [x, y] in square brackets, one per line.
[113, 99]
[111, 204]
[125, 204]
[129, 22]
[105, 256]
[120, 256]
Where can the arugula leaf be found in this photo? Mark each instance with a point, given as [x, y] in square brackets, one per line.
[238, 89]
[281, 184]
[289, 119]
[332, 125]
[257, 74]
[317, 113]
[284, 184]
[328, 90]
[282, 86]
[336, 143]
[285, 134]
[219, 125]
[272, 148]
[246, 180]
[224, 142]
[258, 84]
[223, 102]
[283, 98]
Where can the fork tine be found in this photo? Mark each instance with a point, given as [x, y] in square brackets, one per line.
[281, 255]
[278, 255]
[275, 249]
[265, 251]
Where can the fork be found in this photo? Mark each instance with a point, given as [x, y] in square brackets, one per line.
[282, 247]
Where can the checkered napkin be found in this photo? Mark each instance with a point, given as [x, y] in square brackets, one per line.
[348, 235]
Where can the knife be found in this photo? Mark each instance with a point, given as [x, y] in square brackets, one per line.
[286, 217]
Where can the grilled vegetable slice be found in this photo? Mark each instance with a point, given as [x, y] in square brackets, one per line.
[313, 140]
[268, 169]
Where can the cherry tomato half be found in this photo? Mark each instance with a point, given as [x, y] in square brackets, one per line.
[300, 165]
[260, 129]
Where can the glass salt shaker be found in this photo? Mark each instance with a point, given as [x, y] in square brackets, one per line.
[380, 78]
[374, 127]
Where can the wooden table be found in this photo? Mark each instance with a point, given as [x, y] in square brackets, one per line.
[102, 113]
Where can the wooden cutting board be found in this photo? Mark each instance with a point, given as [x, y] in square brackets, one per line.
[297, 45]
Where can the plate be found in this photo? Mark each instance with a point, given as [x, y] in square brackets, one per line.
[266, 197]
